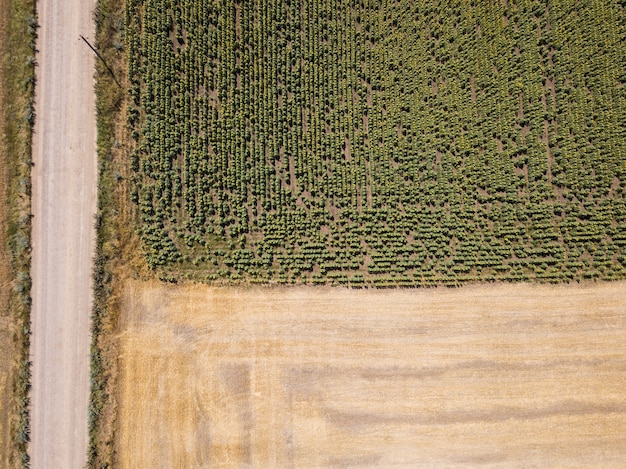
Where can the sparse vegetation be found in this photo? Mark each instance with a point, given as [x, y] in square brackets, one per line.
[110, 232]
[388, 144]
[18, 79]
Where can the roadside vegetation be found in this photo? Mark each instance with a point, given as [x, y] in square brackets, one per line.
[385, 144]
[18, 30]
[118, 253]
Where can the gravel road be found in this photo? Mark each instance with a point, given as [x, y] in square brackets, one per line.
[64, 204]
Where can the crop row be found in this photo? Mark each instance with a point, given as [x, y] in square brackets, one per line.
[368, 142]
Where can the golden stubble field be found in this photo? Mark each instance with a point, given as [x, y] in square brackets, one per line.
[489, 376]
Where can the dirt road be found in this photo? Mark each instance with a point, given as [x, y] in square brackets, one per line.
[64, 204]
[490, 376]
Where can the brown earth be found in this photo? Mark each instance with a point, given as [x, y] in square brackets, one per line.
[6, 341]
[490, 376]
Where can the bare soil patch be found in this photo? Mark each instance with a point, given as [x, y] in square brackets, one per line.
[305, 377]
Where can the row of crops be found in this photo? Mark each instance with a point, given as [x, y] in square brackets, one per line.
[379, 142]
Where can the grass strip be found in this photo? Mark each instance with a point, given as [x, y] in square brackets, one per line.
[109, 106]
[18, 74]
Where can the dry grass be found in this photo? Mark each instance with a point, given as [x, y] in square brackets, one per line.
[275, 377]
[6, 341]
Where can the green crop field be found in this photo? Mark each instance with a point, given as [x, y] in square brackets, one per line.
[379, 142]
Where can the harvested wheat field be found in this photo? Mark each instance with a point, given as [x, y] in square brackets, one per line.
[490, 376]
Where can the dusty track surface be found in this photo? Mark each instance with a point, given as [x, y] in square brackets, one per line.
[521, 376]
[64, 204]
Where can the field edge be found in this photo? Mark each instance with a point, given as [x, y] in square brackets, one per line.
[116, 243]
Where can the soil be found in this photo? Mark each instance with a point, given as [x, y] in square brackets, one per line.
[489, 375]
